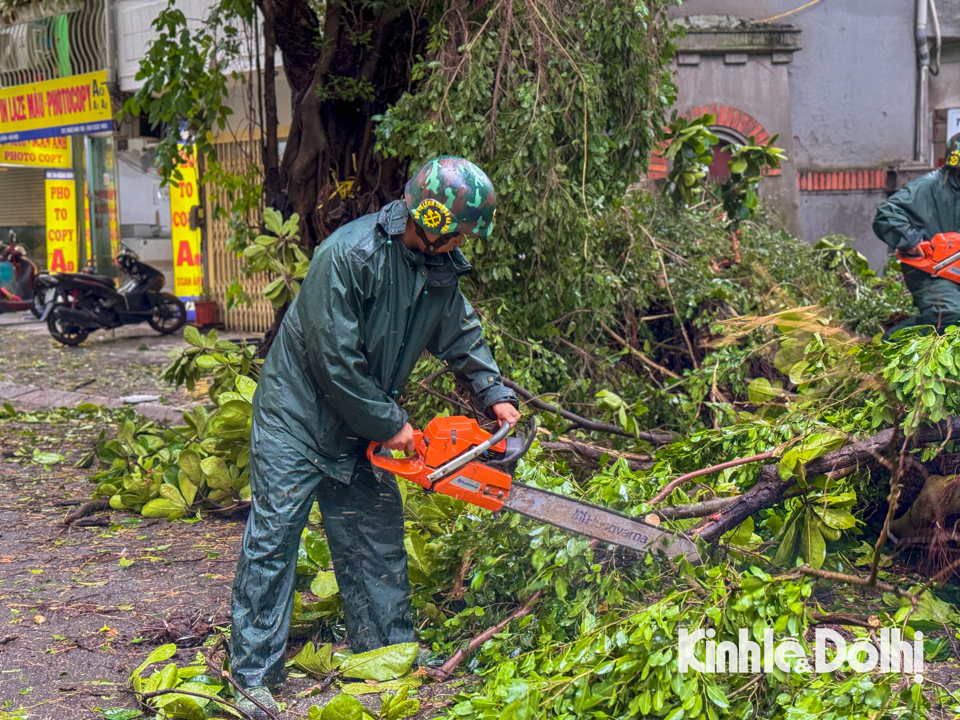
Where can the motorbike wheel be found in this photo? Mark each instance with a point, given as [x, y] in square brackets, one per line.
[169, 315]
[64, 333]
[36, 305]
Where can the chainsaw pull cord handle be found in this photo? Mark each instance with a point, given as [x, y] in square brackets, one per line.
[461, 460]
[527, 443]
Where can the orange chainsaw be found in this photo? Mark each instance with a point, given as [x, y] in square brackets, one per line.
[939, 257]
[455, 457]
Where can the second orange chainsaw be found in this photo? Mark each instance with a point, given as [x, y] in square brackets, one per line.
[455, 457]
[939, 257]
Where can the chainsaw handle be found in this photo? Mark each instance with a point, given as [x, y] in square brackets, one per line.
[408, 467]
[528, 439]
[924, 248]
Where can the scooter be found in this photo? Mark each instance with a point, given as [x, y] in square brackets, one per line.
[78, 303]
[24, 275]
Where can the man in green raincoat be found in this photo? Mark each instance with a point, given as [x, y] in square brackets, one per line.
[925, 207]
[380, 291]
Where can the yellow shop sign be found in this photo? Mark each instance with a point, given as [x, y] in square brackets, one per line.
[75, 105]
[45, 153]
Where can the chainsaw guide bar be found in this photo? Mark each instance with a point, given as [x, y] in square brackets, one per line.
[597, 522]
[455, 457]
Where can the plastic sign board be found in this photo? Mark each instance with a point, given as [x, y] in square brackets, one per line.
[75, 105]
[953, 122]
[187, 265]
[45, 153]
[60, 190]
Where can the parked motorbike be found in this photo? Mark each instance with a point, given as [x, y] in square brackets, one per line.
[78, 303]
[24, 275]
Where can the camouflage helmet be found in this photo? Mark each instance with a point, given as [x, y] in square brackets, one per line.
[952, 157]
[451, 195]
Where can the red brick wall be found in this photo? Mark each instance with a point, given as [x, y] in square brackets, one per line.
[842, 180]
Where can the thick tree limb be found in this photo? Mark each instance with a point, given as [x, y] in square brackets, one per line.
[460, 655]
[696, 510]
[770, 488]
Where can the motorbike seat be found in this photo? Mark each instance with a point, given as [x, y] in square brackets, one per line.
[100, 279]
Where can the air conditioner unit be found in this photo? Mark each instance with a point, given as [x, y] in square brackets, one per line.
[27, 47]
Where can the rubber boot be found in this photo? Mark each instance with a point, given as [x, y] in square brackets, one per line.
[262, 694]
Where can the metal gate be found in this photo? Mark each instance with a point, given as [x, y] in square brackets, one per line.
[236, 156]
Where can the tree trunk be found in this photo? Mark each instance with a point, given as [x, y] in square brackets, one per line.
[330, 173]
[270, 153]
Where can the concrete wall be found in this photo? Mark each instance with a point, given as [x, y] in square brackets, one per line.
[849, 214]
[851, 99]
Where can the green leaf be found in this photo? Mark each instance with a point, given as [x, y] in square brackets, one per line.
[216, 473]
[192, 336]
[273, 220]
[189, 463]
[812, 545]
[47, 458]
[169, 492]
[742, 535]
[162, 508]
[246, 387]
[785, 552]
[317, 661]
[164, 652]
[762, 391]
[324, 585]
[343, 707]
[384, 663]
[716, 696]
[121, 714]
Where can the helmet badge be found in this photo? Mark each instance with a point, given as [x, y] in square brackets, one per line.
[434, 216]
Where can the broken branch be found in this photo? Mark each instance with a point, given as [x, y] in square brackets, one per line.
[460, 655]
[673, 484]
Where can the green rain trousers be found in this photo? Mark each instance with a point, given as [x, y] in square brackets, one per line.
[363, 522]
[925, 207]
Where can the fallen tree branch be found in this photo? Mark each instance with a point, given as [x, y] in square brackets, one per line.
[674, 484]
[659, 438]
[92, 522]
[639, 355]
[446, 670]
[89, 508]
[770, 488]
[696, 510]
[819, 618]
[591, 452]
[857, 580]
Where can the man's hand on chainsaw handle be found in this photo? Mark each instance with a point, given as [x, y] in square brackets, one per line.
[506, 412]
[914, 252]
[403, 440]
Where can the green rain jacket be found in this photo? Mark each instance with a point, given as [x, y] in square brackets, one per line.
[925, 207]
[365, 313]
